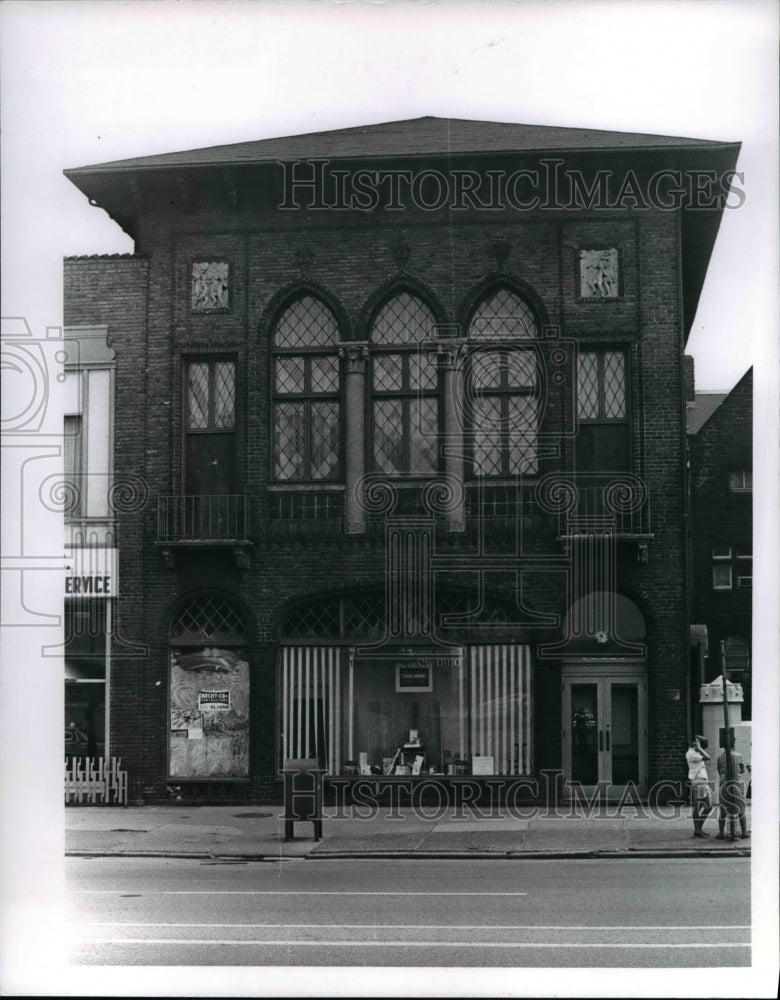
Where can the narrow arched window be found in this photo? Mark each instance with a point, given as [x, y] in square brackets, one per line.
[502, 386]
[307, 418]
[404, 389]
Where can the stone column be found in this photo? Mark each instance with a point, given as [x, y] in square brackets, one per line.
[355, 353]
[454, 407]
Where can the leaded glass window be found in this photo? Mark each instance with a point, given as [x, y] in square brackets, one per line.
[307, 407]
[603, 412]
[502, 386]
[404, 388]
[210, 424]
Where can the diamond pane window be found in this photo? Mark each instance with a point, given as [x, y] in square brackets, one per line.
[603, 440]
[503, 316]
[307, 446]
[306, 323]
[388, 372]
[289, 375]
[324, 440]
[422, 372]
[614, 386]
[404, 386]
[588, 386]
[520, 368]
[487, 455]
[211, 619]
[198, 395]
[211, 395]
[388, 435]
[422, 434]
[325, 374]
[289, 439]
[210, 440]
[522, 434]
[224, 394]
[501, 386]
[601, 385]
[486, 370]
[405, 319]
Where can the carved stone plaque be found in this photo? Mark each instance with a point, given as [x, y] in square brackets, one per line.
[210, 285]
[599, 274]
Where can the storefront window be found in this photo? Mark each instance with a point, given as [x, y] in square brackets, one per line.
[418, 710]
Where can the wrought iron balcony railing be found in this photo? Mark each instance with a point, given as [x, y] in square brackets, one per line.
[616, 503]
[312, 514]
[202, 518]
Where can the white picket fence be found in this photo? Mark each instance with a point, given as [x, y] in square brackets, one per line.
[91, 780]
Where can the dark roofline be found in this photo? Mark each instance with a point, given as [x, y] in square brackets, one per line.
[726, 395]
[226, 155]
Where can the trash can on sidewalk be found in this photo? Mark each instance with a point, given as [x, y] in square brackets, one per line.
[302, 795]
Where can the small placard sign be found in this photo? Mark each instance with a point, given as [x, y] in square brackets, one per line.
[483, 765]
[413, 678]
[214, 701]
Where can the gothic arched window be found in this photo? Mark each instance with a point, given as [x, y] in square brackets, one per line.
[404, 388]
[502, 386]
[307, 418]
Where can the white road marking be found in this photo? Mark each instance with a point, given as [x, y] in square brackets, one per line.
[448, 927]
[409, 944]
[277, 892]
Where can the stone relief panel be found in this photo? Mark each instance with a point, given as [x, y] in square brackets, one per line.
[599, 273]
[210, 286]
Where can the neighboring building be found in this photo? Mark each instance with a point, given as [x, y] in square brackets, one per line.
[408, 404]
[91, 577]
[720, 434]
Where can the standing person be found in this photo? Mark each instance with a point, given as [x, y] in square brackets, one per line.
[701, 794]
[732, 794]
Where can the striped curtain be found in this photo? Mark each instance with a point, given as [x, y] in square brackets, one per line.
[500, 680]
[311, 704]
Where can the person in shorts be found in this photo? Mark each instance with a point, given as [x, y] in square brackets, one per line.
[701, 793]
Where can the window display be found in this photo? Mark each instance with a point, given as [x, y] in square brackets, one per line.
[415, 712]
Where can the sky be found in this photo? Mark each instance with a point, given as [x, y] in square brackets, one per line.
[92, 82]
[89, 82]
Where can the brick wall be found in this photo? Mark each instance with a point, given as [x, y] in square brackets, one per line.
[145, 301]
[722, 517]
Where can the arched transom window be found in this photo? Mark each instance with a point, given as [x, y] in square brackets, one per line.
[502, 386]
[404, 388]
[307, 416]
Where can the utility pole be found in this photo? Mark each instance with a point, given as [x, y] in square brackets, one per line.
[728, 783]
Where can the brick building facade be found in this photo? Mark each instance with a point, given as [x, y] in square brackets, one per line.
[401, 415]
[721, 476]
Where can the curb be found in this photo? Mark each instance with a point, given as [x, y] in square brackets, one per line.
[683, 853]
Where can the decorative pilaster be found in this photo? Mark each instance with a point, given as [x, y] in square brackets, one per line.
[355, 354]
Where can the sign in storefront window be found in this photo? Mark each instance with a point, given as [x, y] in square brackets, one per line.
[413, 678]
[209, 727]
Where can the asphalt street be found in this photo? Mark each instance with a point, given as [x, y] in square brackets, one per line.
[651, 913]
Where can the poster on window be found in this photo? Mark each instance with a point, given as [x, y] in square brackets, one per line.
[209, 725]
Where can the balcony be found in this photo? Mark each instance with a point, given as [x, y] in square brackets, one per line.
[203, 521]
[586, 503]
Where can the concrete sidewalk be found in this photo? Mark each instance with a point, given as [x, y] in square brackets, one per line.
[257, 833]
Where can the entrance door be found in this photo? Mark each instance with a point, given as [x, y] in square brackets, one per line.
[605, 731]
